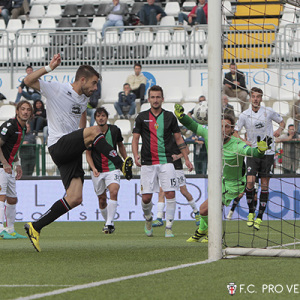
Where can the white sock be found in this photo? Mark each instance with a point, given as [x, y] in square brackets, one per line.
[1, 216]
[147, 209]
[170, 212]
[193, 205]
[111, 211]
[160, 209]
[10, 217]
[104, 213]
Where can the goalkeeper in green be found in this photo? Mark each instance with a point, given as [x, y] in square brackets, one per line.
[234, 151]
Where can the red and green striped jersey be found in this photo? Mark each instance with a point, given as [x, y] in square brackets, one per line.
[11, 132]
[157, 136]
[113, 136]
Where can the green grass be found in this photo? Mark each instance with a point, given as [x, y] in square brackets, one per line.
[75, 253]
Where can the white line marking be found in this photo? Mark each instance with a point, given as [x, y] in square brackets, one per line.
[32, 285]
[103, 282]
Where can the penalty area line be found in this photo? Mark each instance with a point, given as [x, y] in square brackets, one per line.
[112, 280]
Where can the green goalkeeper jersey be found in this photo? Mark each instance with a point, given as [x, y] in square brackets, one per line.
[233, 154]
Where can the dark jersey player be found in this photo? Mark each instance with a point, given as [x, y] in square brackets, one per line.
[157, 127]
[11, 136]
[103, 172]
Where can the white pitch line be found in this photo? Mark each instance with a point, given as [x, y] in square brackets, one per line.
[103, 282]
[32, 285]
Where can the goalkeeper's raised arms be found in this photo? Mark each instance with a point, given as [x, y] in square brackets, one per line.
[264, 145]
[179, 111]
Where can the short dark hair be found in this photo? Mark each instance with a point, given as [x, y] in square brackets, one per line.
[126, 84]
[137, 65]
[230, 118]
[87, 72]
[29, 67]
[156, 88]
[100, 110]
[256, 90]
[291, 126]
[232, 63]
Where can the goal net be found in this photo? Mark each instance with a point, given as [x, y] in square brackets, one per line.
[263, 39]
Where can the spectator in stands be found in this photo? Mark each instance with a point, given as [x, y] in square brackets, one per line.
[5, 7]
[198, 14]
[137, 82]
[30, 93]
[201, 98]
[227, 109]
[20, 7]
[235, 86]
[296, 114]
[27, 152]
[39, 120]
[291, 150]
[93, 103]
[150, 14]
[116, 12]
[126, 103]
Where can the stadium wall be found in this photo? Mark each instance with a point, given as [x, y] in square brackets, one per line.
[36, 196]
[289, 79]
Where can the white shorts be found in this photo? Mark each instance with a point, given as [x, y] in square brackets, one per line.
[8, 184]
[104, 180]
[154, 176]
[180, 177]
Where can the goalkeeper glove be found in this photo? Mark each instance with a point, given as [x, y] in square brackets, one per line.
[264, 145]
[179, 111]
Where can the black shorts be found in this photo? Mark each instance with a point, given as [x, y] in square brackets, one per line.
[261, 166]
[67, 155]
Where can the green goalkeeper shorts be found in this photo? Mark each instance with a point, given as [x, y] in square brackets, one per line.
[231, 189]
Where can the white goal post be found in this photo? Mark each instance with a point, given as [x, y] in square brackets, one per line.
[262, 252]
[215, 59]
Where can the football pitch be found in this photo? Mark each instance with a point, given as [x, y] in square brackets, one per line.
[78, 261]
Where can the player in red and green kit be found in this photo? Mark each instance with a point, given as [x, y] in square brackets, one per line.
[158, 129]
[234, 151]
[103, 172]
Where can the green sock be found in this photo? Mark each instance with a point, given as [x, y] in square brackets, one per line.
[203, 223]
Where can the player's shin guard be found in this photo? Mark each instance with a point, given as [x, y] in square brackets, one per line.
[170, 212]
[102, 147]
[193, 205]
[1, 215]
[203, 223]
[104, 213]
[59, 208]
[264, 196]
[147, 209]
[111, 211]
[250, 199]
[10, 217]
[235, 203]
[160, 210]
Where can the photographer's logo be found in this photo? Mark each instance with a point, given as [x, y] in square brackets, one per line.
[231, 287]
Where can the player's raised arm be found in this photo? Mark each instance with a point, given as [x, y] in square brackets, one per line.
[189, 123]
[32, 80]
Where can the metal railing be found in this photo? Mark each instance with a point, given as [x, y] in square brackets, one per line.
[43, 165]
